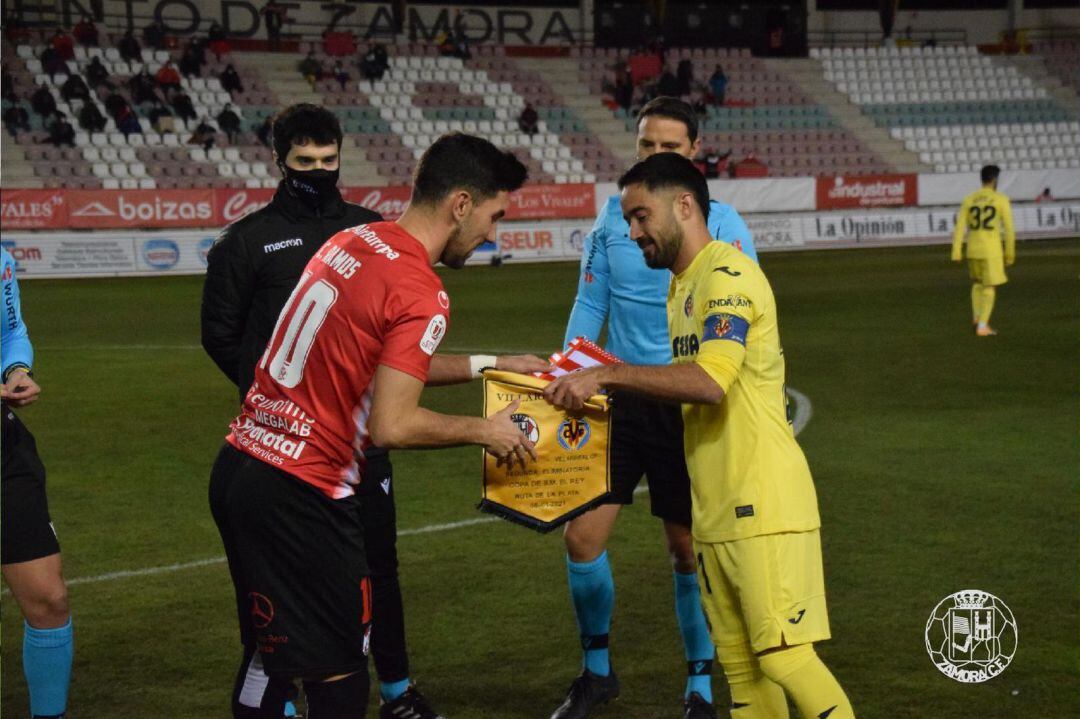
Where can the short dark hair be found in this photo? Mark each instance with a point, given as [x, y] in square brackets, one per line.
[457, 161]
[673, 109]
[989, 173]
[669, 170]
[302, 123]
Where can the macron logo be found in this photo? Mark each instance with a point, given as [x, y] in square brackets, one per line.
[275, 246]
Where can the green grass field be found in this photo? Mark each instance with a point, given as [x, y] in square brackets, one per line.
[943, 462]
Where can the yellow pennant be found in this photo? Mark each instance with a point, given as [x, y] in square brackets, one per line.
[573, 471]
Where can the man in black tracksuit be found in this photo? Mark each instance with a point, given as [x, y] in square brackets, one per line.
[251, 271]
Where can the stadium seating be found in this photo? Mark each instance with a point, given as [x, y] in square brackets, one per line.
[765, 114]
[953, 107]
[145, 159]
[956, 108]
[424, 95]
[1062, 59]
[1025, 146]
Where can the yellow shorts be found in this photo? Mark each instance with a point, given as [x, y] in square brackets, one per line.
[764, 590]
[987, 271]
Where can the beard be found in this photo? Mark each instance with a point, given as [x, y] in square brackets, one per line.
[455, 253]
[660, 254]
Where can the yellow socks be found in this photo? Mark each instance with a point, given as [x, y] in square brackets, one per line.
[753, 695]
[976, 302]
[986, 305]
[808, 682]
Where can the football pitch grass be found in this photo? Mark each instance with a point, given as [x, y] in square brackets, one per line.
[942, 462]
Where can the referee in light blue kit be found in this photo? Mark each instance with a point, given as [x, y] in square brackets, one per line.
[617, 287]
[29, 550]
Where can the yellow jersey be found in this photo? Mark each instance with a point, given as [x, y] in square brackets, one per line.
[748, 475]
[986, 216]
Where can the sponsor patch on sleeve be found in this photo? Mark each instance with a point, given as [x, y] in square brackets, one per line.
[723, 326]
[434, 334]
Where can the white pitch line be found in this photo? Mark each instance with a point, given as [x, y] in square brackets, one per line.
[165, 569]
[110, 576]
[804, 410]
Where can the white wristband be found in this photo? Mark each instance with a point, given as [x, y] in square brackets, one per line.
[480, 362]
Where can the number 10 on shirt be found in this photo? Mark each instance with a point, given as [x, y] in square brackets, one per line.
[287, 365]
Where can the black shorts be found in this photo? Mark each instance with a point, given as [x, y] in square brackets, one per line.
[297, 562]
[647, 439]
[378, 515]
[26, 531]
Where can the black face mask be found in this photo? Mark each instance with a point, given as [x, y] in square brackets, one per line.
[314, 187]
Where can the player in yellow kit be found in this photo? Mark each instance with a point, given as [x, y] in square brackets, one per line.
[755, 516]
[986, 217]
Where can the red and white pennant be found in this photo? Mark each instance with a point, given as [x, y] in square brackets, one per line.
[581, 353]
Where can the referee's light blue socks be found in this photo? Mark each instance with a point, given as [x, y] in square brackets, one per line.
[593, 592]
[389, 691]
[47, 655]
[695, 634]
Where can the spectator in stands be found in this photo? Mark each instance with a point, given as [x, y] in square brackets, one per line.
[266, 131]
[217, 41]
[713, 162]
[685, 76]
[230, 80]
[381, 56]
[143, 87]
[129, 47]
[154, 35]
[86, 32]
[16, 120]
[183, 106]
[97, 75]
[229, 122]
[60, 130]
[311, 69]
[52, 63]
[203, 135]
[126, 121]
[1045, 196]
[461, 47]
[341, 75]
[192, 59]
[116, 105]
[642, 95]
[718, 85]
[445, 43]
[698, 103]
[161, 119]
[42, 101]
[63, 44]
[668, 84]
[74, 89]
[624, 88]
[167, 77]
[90, 118]
[374, 63]
[7, 87]
[529, 120]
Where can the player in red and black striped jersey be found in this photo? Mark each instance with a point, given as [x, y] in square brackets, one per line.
[344, 369]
